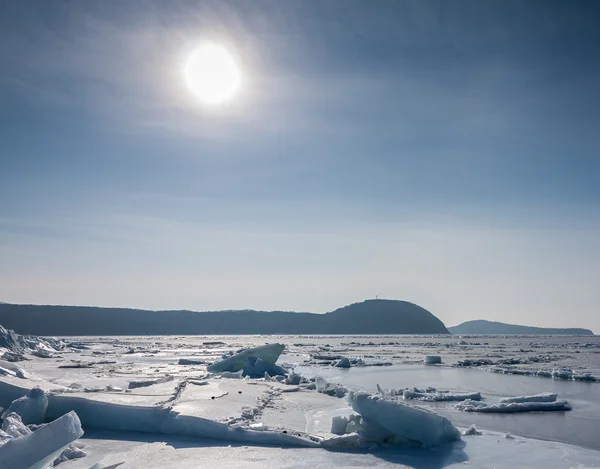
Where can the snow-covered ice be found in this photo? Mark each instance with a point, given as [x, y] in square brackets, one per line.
[471, 431]
[543, 397]
[514, 407]
[39, 449]
[405, 422]
[343, 362]
[434, 396]
[255, 362]
[207, 413]
[31, 408]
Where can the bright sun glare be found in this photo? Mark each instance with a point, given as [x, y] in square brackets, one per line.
[211, 74]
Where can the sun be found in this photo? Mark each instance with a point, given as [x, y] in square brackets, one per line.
[211, 74]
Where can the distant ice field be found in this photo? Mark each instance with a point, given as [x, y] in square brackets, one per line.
[102, 369]
[404, 354]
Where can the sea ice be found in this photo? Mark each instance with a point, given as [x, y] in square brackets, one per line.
[339, 424]
[39, 449]
[253, 361]
[439, 396]
[514, 407]
[432, 359]
[70, 453]
[472, 430]
[13, 426]
[191, 361]
[31, 407]
[343, 363]
[396, 421]
[149, 382]
[330, 389]
[544, 397]
[10, 369]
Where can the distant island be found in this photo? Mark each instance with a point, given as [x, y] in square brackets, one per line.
[367, 317]
[498, 328]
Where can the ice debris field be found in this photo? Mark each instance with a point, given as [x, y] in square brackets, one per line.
[291, 401]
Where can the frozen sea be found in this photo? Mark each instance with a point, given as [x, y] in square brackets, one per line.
[495, 366]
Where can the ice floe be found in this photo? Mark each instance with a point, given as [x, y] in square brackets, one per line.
[513, 407]
[254, 362]
[384, 420]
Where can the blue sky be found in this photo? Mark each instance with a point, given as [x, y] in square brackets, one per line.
[440, 152]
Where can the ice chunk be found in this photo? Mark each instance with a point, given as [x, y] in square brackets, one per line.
[256, 368]
[39, 449]
[321, 383]
[343, 363]
[10, 369]
[191, 361]
[31, 407]
[72, 452]
[432, 359]
[513, 407]
[472, 430]
[232, 375]
[544, 397]
[149, 382]
[9, 340]
[13, 426]
[402, 421]
[293, 379]
[562, 373]
[324, 387]
[439, 396]
[4, 437]
[339, 424]
[254, 361]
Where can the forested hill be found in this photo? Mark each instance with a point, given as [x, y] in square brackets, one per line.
[367, 317]
[498, 328]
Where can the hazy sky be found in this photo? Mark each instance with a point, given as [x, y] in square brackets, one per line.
[446, 153]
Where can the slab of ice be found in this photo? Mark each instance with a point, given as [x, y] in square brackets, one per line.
[440, 396]
[13, 426]
[31, 407]
[10, 369]
[257, 368]
[70, 453]
[191, 361]
[432, 359]
[253, 361]
[187, 418]
[149, 382]
[395, 419]
[4, 437]
[40, 448]
[543, 397]
[343, 363]
[514, 407]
